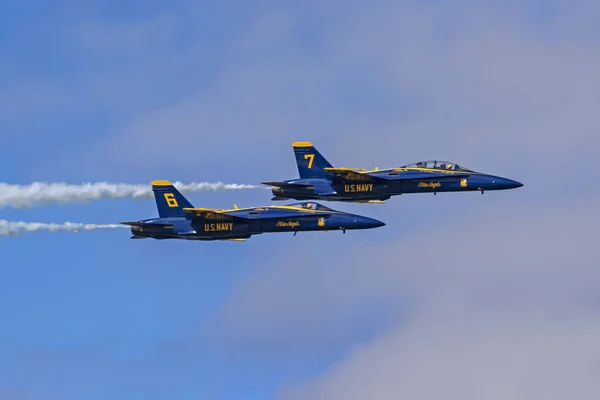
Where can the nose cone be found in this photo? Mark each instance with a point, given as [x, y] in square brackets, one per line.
[505, 183]
[490, 182]
[360, 222]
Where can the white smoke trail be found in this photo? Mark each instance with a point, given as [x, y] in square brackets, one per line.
[9, 228]
[46, 193]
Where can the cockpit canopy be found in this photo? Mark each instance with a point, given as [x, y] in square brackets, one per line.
[311, 206]
[438, 165]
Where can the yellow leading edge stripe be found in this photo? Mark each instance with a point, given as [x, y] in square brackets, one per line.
[161, 183]
[301, 144]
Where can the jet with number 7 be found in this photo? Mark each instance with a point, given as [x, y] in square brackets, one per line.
[320, 180]
[178, 219]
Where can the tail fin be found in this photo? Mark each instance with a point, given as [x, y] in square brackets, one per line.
[169, 201]
[310, 161]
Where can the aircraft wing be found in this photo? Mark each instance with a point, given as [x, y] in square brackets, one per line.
[140, 230]
[289, 185]
[208, 213]
[355, 174]
[360, 174]
[247, 214]
[130, 223]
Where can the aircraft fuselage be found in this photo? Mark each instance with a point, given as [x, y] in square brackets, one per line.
[263, 221]
[352, 190]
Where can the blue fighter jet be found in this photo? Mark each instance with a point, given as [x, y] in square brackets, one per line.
[320, 180]
[178, 219]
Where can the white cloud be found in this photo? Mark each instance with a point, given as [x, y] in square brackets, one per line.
[427, 80]
[505, 258]
[487, 87]
[461, 294]
[382, 84]
[470, 353]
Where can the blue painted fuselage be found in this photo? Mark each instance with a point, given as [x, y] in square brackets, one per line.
[381, 185]
[320, 180]
[178, 219]
[269, 221]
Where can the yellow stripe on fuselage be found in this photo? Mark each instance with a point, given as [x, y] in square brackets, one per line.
[343, 169]
[364, 171]
[306, 210]
[216, 210]
[443, 171]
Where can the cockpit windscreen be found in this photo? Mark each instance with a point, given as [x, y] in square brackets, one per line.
[311, 206]
[446, 165]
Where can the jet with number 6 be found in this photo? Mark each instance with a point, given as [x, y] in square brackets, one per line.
[178, 219]
[320, 180]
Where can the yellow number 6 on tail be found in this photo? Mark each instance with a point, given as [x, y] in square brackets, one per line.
[171, 201]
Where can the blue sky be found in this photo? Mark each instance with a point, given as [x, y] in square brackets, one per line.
[135, 91]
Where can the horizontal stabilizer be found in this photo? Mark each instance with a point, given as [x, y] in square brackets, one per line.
[148, 225]
[143, 229]
[131, 223]
[145, 224]
[289, 185]
[319, 186]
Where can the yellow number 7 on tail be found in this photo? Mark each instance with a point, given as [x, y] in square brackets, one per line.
[310, 158]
